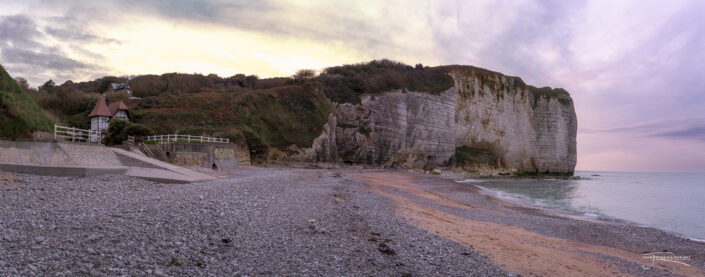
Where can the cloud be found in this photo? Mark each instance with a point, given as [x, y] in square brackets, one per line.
[25, 52]
[74, 35]
[689, 133]
[633, 68]
[696, 132]
[18, 32]
[373, 29]
[687, 128]
[57, 62]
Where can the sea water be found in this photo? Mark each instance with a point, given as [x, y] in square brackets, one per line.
[673, 202]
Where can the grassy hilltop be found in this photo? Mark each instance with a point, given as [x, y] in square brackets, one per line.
[263, 113]
[19, 115]
[281, 113]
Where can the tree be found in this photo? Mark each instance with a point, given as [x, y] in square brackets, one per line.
[138, 130]
[304, 74]
[115, 96]
[116, 132]
[32, 92]
[22, 82]
[119, 130]
[48, 86]
[251, 81]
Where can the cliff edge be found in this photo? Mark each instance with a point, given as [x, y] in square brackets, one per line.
[488, 119]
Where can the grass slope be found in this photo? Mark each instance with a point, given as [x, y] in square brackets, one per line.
[19, 115]
[278, 117]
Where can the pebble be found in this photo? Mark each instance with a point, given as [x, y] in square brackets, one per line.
[254, 223]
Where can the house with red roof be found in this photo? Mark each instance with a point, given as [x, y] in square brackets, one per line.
[102, 114]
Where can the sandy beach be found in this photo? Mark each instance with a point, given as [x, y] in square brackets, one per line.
[527, 240]
[308, 222]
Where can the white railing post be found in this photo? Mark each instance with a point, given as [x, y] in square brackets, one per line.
[54, 131]
[176, 138]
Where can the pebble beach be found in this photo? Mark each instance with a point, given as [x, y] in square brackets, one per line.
[305, 222]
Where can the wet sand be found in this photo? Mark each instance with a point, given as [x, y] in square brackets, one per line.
[458, 212]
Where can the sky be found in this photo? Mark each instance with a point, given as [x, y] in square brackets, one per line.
[635, 69]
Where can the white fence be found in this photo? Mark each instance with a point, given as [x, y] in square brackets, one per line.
[77, 135]
[184, 138]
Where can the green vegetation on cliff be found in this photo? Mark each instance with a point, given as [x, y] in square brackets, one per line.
[466, 156]
[264, 113]
[550, 93]
[485, 77]
[346, 83]
[19, 115]
[278, 117]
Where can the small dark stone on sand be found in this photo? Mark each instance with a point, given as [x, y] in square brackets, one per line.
[384, 248]
[177, 261]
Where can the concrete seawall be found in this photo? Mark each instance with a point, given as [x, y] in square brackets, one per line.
[214, 156]
[82, 160]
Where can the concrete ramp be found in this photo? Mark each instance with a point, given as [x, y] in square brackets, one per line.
[90, 154]
[157, 170]
[161, 175]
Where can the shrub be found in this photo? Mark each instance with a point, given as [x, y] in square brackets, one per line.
[466, 156]
[346, 83]
[119, 130]
[116, 132]
[138, 130]
[546, 92]
[303, 75]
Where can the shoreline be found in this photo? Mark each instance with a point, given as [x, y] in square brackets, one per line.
[514, 236]
[578, 215]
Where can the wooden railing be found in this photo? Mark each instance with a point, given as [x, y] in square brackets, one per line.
[185, 139]
[77, 135]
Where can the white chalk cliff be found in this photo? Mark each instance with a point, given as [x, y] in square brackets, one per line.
[528, 129]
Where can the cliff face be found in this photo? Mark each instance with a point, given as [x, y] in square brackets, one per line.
[528, 129]
[556, 125]
[396, 128]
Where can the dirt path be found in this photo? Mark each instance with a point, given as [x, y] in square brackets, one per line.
[517, 249]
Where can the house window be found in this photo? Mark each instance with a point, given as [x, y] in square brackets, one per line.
[99, 123]
[102, 122]
[121, 115]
